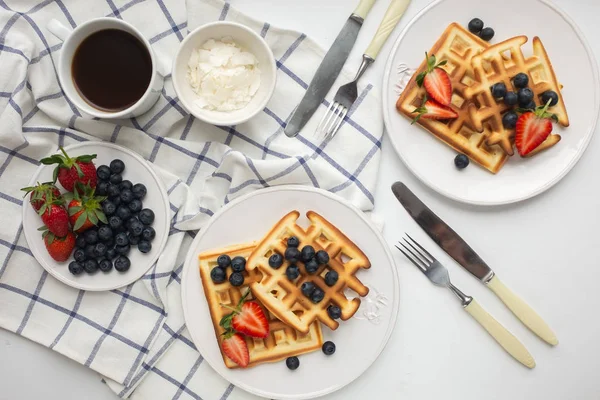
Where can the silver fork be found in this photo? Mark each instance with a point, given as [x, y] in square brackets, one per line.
[438, 275]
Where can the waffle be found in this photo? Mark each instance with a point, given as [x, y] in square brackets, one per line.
[458, 46]
[284, 297]
[282, 342]
[499, 63]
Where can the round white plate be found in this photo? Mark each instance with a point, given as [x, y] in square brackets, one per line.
[359, 341]
[137, 170]
[433, 162]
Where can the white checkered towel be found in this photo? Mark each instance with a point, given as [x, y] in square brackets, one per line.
[135, 336]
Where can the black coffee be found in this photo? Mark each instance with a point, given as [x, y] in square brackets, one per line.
[111, 69]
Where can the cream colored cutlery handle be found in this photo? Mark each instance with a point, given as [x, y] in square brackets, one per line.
[363, 8]
[506, 339]
[523, 311]
[390, 19]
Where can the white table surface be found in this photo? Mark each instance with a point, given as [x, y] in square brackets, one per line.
[544, 249]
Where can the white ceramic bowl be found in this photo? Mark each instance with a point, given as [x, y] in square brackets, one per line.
[247, 39]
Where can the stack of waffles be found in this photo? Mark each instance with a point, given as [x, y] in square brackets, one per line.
[473, 67]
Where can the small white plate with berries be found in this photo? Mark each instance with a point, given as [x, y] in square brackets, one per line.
[347, 352]
[95, 216]
[540, 158]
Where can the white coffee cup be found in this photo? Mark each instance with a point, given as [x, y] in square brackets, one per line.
[71, 41]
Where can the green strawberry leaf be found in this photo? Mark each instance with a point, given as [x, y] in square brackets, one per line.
[86, 158]
[80, 221]
[75, 210]
[78, 169]
[101, 216]
[55, 174]
[225, 322]
[421, 78]
[92, 217]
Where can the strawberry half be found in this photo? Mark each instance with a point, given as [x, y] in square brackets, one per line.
[71, 170]
[533, 127]
[41, 194]
[59, 249]
[85, 210]
[436, 81]
[433, 110]
[247, 318]
[234, 346]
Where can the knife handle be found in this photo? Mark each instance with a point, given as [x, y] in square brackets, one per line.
[504, 338]
[389, 22]
[523, 311]
[363, 8]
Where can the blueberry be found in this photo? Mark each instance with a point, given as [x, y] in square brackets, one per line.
[293, 242]
[322, 257]
[111, 254]
[292, 272]
[113, 190]
[117, 166]
[549, 96]
[123, 212]
[108, 207]
[461, 161]
[102, 188]
[236, 279]
[139, 190]
[312, 266]
[531, 106]
[115, 222]
[144, 246]
[275, 261]
[75, 267]
[223, 260]
[136, 228]
[292, 363]
[103, 173]
[218, 275]
[307, 253]
[105, 265]
[148, 233]
[334, 311]
[292, 254]
[80, 242]
[134, 240]
[525, 96]
[100, 250]
[110, 242]
[90, 266]
[125, 184]
[511, 99]
[509, 120]
[307, 288]
[146, 216]
[238, 264]
[487, 34]
[331, 278]
[116, 200]
[89, 251]
[91, 236]
[317, 295]
[135, 205]
[475, 25]
[498, 90]
[126, 196]
[116, 179]
[79, 255]
[123, 250]
[104, 232]
[121, 239]
[328, 348]
[122, 264]
[521, 80]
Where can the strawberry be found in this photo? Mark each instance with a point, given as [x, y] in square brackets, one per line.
[41, 194]
[55, 217]
[533, 127]
[59, 248]
[71, 170]
[436, 81]
[247, 318]
[234, 346]
[433, 110]
[84, 209]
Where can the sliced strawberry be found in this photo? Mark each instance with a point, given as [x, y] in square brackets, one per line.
[436, 81]
[251, 321]
[433, 110]
[234, 346]
[533, 127]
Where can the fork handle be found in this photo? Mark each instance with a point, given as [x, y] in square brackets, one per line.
[523, 311]
[363, 8]
[389, 22]
[507, 340]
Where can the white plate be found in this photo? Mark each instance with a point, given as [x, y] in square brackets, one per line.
[137, 170]
[432, 161]
[359, 341]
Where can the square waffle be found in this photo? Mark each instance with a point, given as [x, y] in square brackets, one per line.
[283, 341]
[284, 297]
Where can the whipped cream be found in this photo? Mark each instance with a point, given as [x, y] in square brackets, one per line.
[223, 75]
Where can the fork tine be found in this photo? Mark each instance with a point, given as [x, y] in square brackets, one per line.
[417, 264]
[339, 123]
[326, 117]
[421, 247]
[420, 256]
[333, 120]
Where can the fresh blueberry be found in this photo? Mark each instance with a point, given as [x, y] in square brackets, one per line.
[511, 99]
[292, 254]
[103, 173]
[102, 188]
[121, 239]
[328, 348]
[236, 279]
[135, 205]
[116, 200]
[275, 261]
[131, 220]
[125, 184]
[312, 266]
[136, 228]
[80, 242]
[307, 253]
[148, 233]
[238, 264]
[104, 232]
[531, 106]
[461, 161]
[123, 250]
[292, 363]
[117, 166]
[111, 253]
[105, 265]
[292, 272]
[122, 263]
[115, 222]
[79, 255]
[525, 96]
[331, 277]
[108, 207]
[144, 246]
[487, 34]
[100, 250]
[334, 311]
[113, 190]
[317, 295]
[123, 212]
[549, 96]
[110, 242]
[116, 179]
[223, 260]
[139, 190]
[322, 257]
[293, 242]
[89, 251]
[509, 119]
[134, 240]
[75, 267]
[146, 216]
[90, 266]
[307, 288]
[475, 25]
[498, 90]
[126, 196]
[520, 80]
[91, 236]
[218, 275]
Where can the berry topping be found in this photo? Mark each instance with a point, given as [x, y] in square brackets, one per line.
[533, 127]
[498, 90]
[235, 348]
[509, 119]
[312, 266]
[334, 311]
[322, 257]
[275, 261]
[238, 264]
[293, 242]
[307, 253]
[331, 277]
[247, 318]
[433, 110]
[461, 161]
[317, 295]
[475, 25]
[511, 99]
[292, 272]
[292, 363]
[236, 279]
[218, 275]
[549, 95]
[487, 34]
[525, 96]
[521, 80]
[292, 254]
[328, 348]
[223, 261]
[436, 81]
[307, 288]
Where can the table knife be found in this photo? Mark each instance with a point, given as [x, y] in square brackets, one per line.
[329, 69]
[458, 249]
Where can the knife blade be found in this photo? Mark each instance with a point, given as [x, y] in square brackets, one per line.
[328, 70]
[462, 253]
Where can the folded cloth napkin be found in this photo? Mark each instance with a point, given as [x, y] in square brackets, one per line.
[135, 336]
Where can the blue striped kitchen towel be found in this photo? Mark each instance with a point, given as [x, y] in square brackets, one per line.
[135, 336]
